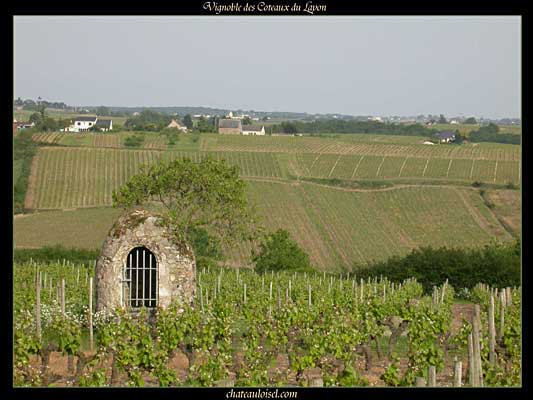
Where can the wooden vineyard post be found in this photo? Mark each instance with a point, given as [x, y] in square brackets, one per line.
[270, 297]
[91, 337]
[420, 381]
[201, 298]
[38, 305]
[432, 376]
[492, 332]
[509, 297]
[244, 294]
[362, 289]
[457, 372]
[309, 297]
[443, 291]
[78, 275]
[207, 296]
[476, 341]
[279, 298]
[63, 296]
[471, 363]
[502, 314]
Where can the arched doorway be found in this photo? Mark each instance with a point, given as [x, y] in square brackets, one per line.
[140, 280]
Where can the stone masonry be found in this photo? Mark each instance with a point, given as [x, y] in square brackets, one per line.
[175, 261]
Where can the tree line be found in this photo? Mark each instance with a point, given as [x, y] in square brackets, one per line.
[352, 126]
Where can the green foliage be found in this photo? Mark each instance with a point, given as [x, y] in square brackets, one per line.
[278, 252]
[147, 120]
[490, 133]
[215, 334]
[51, 254]
[392, 376]
[496, 265]
[187, 121]
[134, 141]
[470, 121]
[24, 149]
[352, 126]
[196, 195]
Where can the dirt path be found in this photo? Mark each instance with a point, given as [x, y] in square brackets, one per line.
[480, 219]
[32, 181]
[460, 311]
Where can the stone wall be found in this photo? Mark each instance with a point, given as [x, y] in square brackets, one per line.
[175, 261]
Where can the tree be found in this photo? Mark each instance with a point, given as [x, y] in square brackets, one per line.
[187, 121]
[442, 119]
[289, 127]
[470, 121]
[458, 137]
[194, 195]
[279, 252]
[102, 111]
[246, 121]
[35, 118]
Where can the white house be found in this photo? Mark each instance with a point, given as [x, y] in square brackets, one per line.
[85, 123]
[253, 130]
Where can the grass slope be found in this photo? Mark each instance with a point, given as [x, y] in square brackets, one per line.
[336, 227]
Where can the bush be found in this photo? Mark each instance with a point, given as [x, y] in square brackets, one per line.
[134, 141]
[58, 253]
[24, 148]
[496, 265]
[278, 252]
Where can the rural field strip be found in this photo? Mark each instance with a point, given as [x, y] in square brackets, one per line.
[472, 169]
[480, 219]
[450, 164]
[314, 161]
[401, 168]
[495, 170]
[357, 166]
[379, 168]
[336, 162]
[425, 167]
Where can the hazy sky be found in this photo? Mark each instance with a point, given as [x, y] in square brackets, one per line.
[350, 65]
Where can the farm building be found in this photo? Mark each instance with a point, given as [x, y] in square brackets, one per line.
[85, 123]
[21, 125]
[253, 130]
[176, 125]
[446, 136]
[230, 126]
[142, 264]
[104, 124]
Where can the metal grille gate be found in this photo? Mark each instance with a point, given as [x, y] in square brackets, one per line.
[140, 278]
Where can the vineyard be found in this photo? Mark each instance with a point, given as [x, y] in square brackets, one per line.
[363, 225]
[311, 329]
[86, 177]
[338, 145]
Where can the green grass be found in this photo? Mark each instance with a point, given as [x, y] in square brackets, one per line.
[336, 227]
[78, 228]
[17, 169]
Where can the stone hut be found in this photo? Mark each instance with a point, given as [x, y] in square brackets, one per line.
[142, 265]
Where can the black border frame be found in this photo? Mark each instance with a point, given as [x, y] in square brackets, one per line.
[187, 7]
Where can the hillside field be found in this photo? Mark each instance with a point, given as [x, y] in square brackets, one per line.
[85, 177]
[337, 227]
